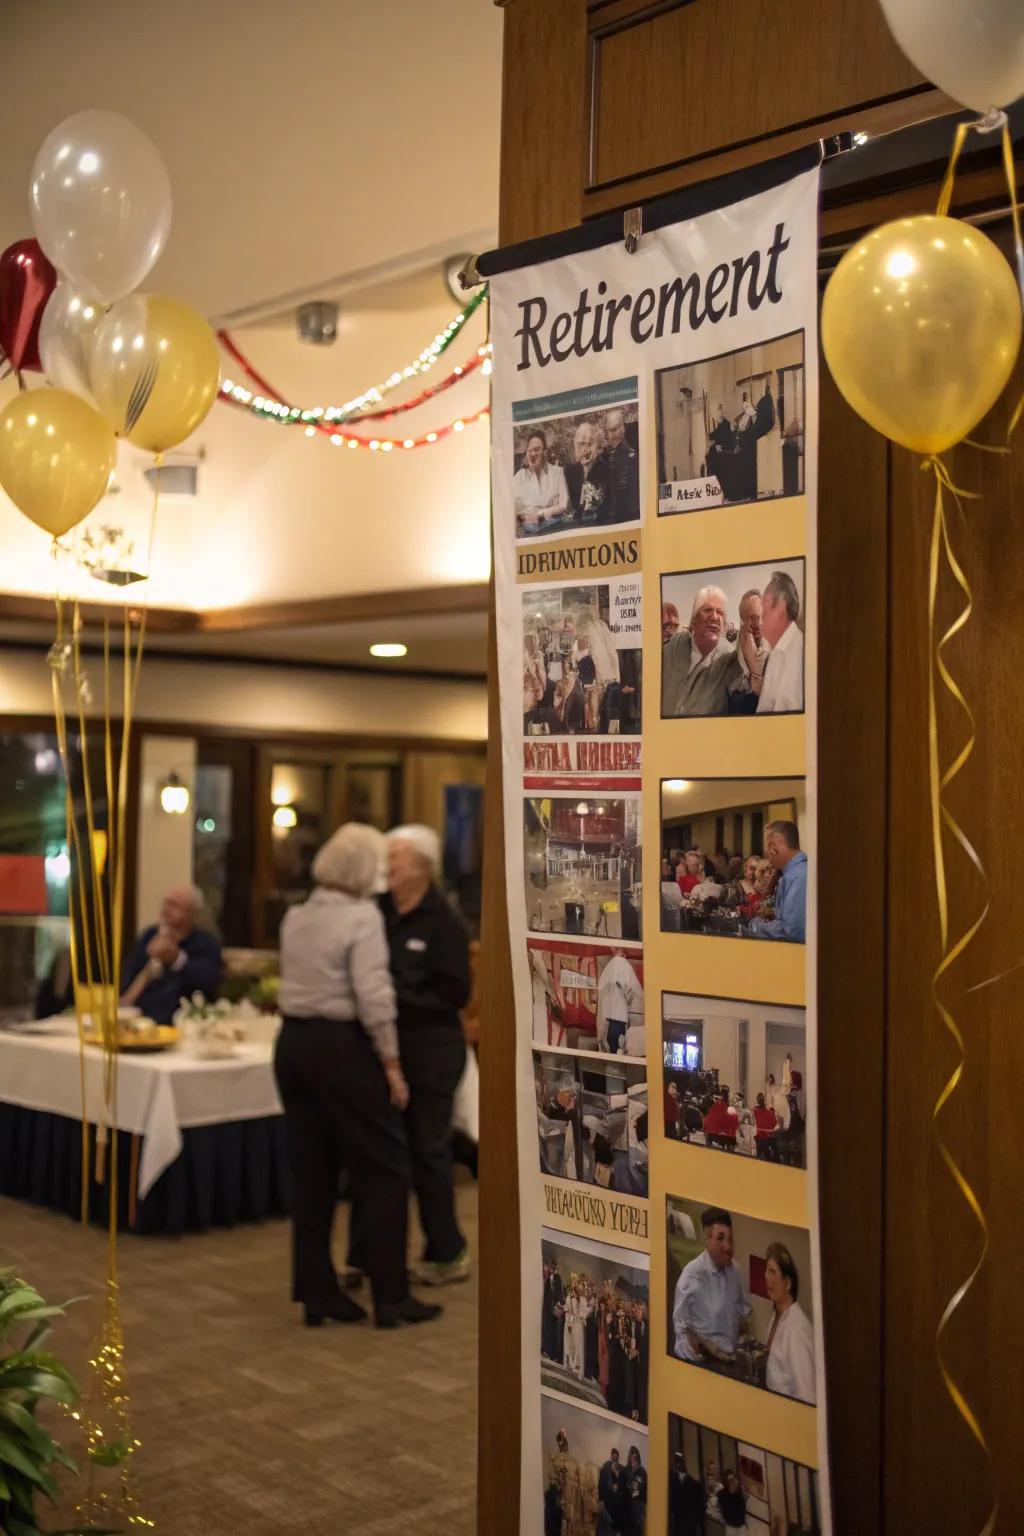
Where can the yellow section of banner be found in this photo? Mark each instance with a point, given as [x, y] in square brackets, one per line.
[594, 1212]
[603, 552]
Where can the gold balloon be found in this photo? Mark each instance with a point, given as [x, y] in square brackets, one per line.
[154, 370]
[921, 325]
[56, 457]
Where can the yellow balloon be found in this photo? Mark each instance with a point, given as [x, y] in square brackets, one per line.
[921, 326]
[154, 369]
[56, 457]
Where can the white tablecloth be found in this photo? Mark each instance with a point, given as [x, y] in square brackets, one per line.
[158, 1095]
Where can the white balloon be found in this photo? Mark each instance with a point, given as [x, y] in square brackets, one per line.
[121, 360]
[101, 202]
[66, 330]
[972, 49]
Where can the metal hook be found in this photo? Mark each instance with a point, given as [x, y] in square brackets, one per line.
[469, 275]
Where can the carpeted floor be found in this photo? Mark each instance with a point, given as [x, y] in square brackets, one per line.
[250, 1423]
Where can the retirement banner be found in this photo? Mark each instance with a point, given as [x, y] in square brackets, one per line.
[654, 460]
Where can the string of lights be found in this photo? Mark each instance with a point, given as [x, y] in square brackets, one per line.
[366, 403]
[339, 436]
[269, 406]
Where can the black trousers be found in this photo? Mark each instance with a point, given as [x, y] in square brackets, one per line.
[338, 1115]
[433, 1056]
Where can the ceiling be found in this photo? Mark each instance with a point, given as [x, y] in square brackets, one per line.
[330, 149]
[305, 144]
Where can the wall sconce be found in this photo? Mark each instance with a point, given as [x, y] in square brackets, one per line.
[174, 796]
[285, 817]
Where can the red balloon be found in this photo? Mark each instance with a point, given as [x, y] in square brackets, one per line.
[27, 279]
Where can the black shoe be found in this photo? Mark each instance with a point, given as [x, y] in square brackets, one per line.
[390, 1314]
[350, 1279]
[342, 1310]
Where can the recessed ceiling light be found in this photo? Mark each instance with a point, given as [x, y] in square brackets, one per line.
[389, 650]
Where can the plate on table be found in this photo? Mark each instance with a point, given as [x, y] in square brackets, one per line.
[148, 1037]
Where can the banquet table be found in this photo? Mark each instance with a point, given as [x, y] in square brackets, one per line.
[205, 1138]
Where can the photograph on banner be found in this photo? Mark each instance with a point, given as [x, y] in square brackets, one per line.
[740, 1297]
[731, 860]
[592, 1124]
[582, 860]
[733, 640]
[576, 460]
[587, 998]
[718, 1483]
[735, 1077]
[595, 1472]
[595, 1330]
[582, 661]
[731, 427]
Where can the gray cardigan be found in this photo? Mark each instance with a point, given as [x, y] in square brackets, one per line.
[335, 965]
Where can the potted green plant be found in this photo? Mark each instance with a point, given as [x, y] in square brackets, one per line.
[29, 1376]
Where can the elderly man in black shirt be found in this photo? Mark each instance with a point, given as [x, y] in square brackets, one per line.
[430, 969]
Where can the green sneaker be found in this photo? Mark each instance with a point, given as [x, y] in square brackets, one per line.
[459, 1268]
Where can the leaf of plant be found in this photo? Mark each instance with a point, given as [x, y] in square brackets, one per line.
[35, 1339]
[23, 1495]
[13, 1455]
[16, 1416]
[50, 1363]
[5, 1492]
[38, 1384]
[19, 1528]
[33, 1313]
[24, 1296]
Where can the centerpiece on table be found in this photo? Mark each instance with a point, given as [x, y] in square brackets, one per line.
[208, 1029]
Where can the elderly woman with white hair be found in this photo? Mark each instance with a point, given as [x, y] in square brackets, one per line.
[430, 966]
[341, 1082]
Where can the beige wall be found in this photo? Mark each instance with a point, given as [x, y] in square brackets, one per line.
[165, 841]
[216, 694]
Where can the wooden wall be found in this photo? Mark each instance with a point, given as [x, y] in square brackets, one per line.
[607, 103]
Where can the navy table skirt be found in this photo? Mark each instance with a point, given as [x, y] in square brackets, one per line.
[226, 1173]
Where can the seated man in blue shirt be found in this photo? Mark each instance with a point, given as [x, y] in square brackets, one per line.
[782, 848]
[711, 1306]
[172, 959]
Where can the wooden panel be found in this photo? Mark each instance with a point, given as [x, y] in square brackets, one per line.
[931, 1238]
[39, 610]
[542, 123]
[671, 85]
[465, 597]
[852, 766]
[886, 118]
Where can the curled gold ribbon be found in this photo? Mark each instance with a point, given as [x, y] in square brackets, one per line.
[988, 124]
[97, 902]
[941, 555]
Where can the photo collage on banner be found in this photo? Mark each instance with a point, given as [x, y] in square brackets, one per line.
[654, 424]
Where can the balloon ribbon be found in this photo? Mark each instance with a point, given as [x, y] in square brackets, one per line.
[985, 125]
[942, 556]
[97, 901]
